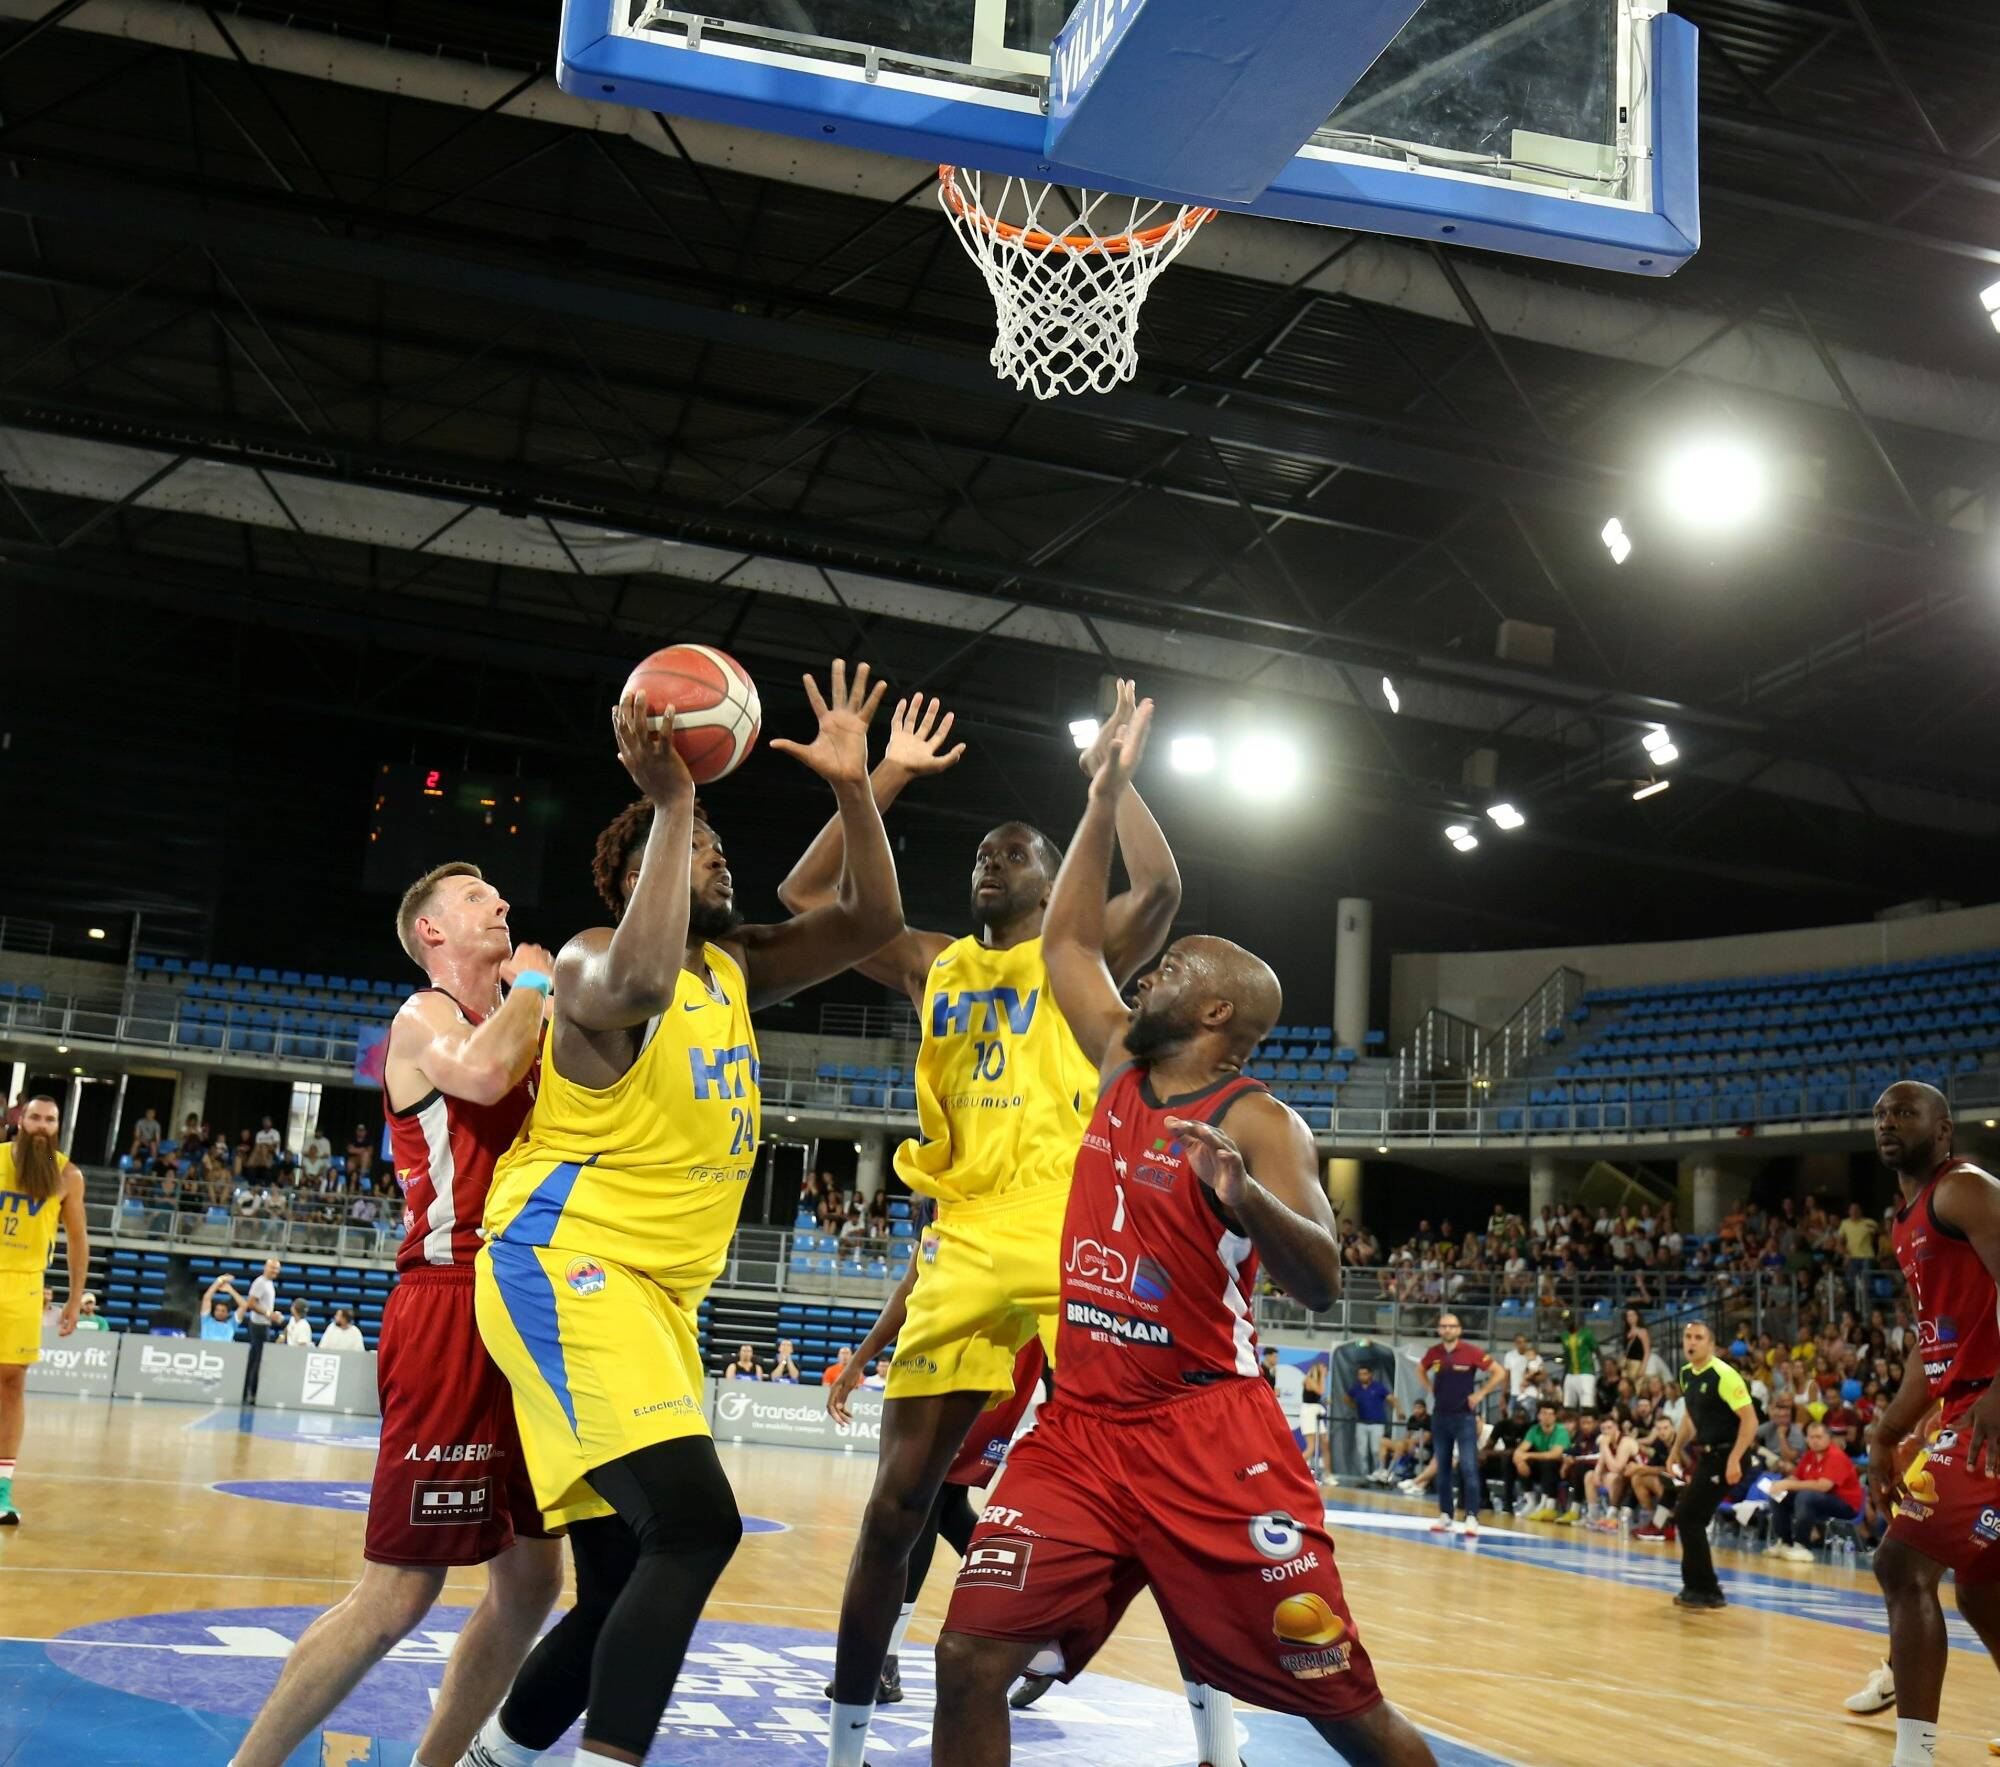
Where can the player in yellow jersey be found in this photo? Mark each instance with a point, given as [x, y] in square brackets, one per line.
[1003, 1097]
[38, 1189]
[612, 1214]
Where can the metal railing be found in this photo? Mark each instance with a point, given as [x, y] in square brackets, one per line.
[1445, 1047]
[1525, 1036]
[894, 1021]
[37, 937]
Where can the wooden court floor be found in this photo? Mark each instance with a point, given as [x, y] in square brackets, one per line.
[1539, 1646]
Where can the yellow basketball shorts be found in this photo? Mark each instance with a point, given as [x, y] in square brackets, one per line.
[602, 1361]
[20, 1316]
[989, 1277]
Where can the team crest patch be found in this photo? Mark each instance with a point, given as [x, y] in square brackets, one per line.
[585, 1276]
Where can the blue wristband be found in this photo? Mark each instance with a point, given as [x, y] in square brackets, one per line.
[533, 978]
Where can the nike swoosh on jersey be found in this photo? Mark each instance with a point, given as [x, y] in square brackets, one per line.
[692, 1005]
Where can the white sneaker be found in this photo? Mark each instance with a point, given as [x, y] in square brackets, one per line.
[1409, 1487]
[1875, 1694]
[1798, 1554]
[1442, 1525]
[1470, 1527]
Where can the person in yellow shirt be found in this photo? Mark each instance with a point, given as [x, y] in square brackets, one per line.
[612, 1213]
[1003, 1098]
[39, 1188]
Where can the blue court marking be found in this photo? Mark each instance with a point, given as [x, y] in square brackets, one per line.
[1854, 1602]
[178, 1690]
[304, 1428]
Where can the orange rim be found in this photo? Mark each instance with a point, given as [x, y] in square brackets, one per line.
[1035, 240]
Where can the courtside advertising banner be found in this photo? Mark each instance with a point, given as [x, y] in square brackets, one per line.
[767, 1411]
[188, 1369]
[297, 1378]
[83, 1362]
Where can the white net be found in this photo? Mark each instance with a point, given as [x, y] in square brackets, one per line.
[1068, 273]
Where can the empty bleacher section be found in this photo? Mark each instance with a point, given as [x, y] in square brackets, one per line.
[259, 1011]
[1305, 1067]
[1770, 1048]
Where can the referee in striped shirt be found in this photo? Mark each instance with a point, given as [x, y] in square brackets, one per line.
[1714, 1435]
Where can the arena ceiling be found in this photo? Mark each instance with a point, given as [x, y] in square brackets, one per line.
[334, 332]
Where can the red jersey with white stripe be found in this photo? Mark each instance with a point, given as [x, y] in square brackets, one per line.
[445, 1149]
[1156, 1286]
[1957, 1303]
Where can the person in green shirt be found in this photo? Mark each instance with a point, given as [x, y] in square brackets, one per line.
[1579, 1363]
[1715, 1434]
[1539, 1460]
[87, 1316]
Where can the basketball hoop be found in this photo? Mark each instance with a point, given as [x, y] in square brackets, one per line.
[1066, 295]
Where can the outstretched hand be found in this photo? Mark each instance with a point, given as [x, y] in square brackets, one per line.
[839, 753]
[1214, 1158]
[1122, 708]
[646, 747]
[917, 737]
[1123, 754]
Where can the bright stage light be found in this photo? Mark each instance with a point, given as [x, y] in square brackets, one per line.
[1461, 837]
[1506, 818]
[1651, 790]
[1192, 754]
[97, 932]
[1083, 731]
[1389, 693]
[1989, 298]
[1659, 746]
[1617, 541]
[1714, 485]
[1264, 766]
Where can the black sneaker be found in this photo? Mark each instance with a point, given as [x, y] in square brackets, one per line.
[888, 1688]
[1689, 1598]
[9, 1517]
[1029, 1689]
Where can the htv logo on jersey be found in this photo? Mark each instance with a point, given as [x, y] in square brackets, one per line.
[723, 1073]
[31, 1206]
[952, 1014]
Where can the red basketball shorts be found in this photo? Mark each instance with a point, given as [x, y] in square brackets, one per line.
[1205, 1499]
[451, 1486]
[1943, 1509]
[978, 1462]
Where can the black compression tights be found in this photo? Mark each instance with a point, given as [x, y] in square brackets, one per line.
[952, 1516]
[642, 1577]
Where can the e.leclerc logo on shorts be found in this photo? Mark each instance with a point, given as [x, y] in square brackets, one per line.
[585, 1276]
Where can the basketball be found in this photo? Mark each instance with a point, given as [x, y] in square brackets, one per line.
[716, 710]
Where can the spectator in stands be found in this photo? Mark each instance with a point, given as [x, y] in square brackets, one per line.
[1410, 1453]
[1857, 1234]
[239, 1155]
[315, 1162]
[1606, 1482]
[146, 1136]
[220, 1304]
[1653, 1480]
[264, 1149]
[832, 1371]
[745, 1366]
[874, 1377]
[1779, 1441]
[362, 1211]
[1825, 1487]
[215, 1175]
[342, 1334]
[1579, 1361]
[1312, 1415]
[1539, 1460]
[1523, 1363]
[853, 1230]
[1638, 1344]
[360, 1155]
[1373, 1405]
[1497, 1469]
[193, 1143]
[87, 1316]
[786, 1367]
[298, 1328]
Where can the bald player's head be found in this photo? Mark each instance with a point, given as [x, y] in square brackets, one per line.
[1204, 988]
[1912, 1128]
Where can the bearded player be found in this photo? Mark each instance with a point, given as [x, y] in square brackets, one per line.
[1163, 1460]
[1944, 1510]
[612, 1215]
[1003, 1094]
[450, 1486]
[39, 1189]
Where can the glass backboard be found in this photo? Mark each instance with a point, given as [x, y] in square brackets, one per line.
[1562, 129]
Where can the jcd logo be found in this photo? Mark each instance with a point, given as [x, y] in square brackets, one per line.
[953, 1014]
[1941, 1330]
[1089, 1259]
[723, 1073]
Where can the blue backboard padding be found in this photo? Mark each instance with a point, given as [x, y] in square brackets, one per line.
[1375, 197]
[1210, 95]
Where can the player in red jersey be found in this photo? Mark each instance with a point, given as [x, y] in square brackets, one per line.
[1163, 1460]
[450, 1484]
[1944, 1509]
